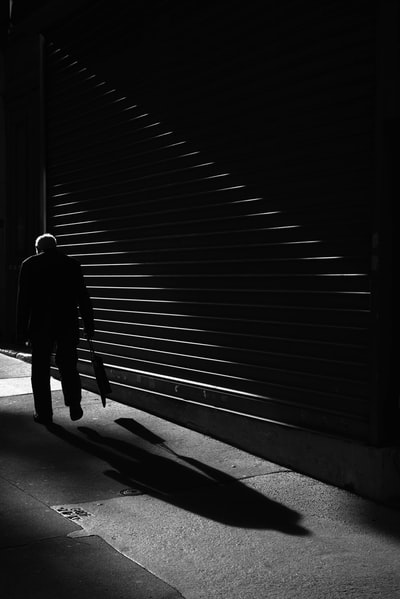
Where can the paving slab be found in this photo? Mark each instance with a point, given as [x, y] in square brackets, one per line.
[253, 539]
[65, 568]
[21, 386]
[11, 368]
[23, 518]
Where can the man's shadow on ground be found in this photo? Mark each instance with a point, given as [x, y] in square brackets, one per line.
[182, 481]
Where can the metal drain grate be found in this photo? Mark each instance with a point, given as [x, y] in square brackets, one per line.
[73, 513]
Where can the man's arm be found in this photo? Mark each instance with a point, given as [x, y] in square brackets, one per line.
[85, 306]
[23, 304]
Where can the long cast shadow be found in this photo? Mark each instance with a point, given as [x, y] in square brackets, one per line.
[382, 520]
[185, 482]
[138, 429]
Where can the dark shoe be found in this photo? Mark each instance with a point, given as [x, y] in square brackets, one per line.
[75, 412]
[41, 420]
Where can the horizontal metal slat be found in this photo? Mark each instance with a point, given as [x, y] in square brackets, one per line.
[221, 202]
[357, 247]
[140, 389]
[319, 300]
[264, 226]
[90, 106]
[190, 179]
[232, 384]
[220, 284]
[143, 142]
[101, 131]
[67, 150]
[307, 365]
[262, 266]
[120, 176]
[258, 375]
[222, 237]
[246, 334]
[252, 212]
[90, 169]
[189, 350]
[231, 318]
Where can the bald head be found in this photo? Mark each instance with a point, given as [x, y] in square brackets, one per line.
[45, 242]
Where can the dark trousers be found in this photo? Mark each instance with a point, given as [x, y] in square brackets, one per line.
[66, 361]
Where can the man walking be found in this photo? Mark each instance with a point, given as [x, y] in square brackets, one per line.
[50, 290]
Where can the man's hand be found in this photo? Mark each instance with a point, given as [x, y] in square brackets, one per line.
[89, 334]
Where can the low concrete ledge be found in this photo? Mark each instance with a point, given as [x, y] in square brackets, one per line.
[24, 357]
[16, 353]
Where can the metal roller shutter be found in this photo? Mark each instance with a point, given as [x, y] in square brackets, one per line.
[219, 201]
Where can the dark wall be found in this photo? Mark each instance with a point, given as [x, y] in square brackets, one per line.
[24, 163]
[2, 193]
[23, 206]
[385, 259]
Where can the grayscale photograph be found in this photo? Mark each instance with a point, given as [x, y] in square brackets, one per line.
[197, 272]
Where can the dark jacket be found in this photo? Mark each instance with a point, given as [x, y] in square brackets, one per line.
[50, 290]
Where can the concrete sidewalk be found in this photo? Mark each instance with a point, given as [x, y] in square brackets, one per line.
[124, 504]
